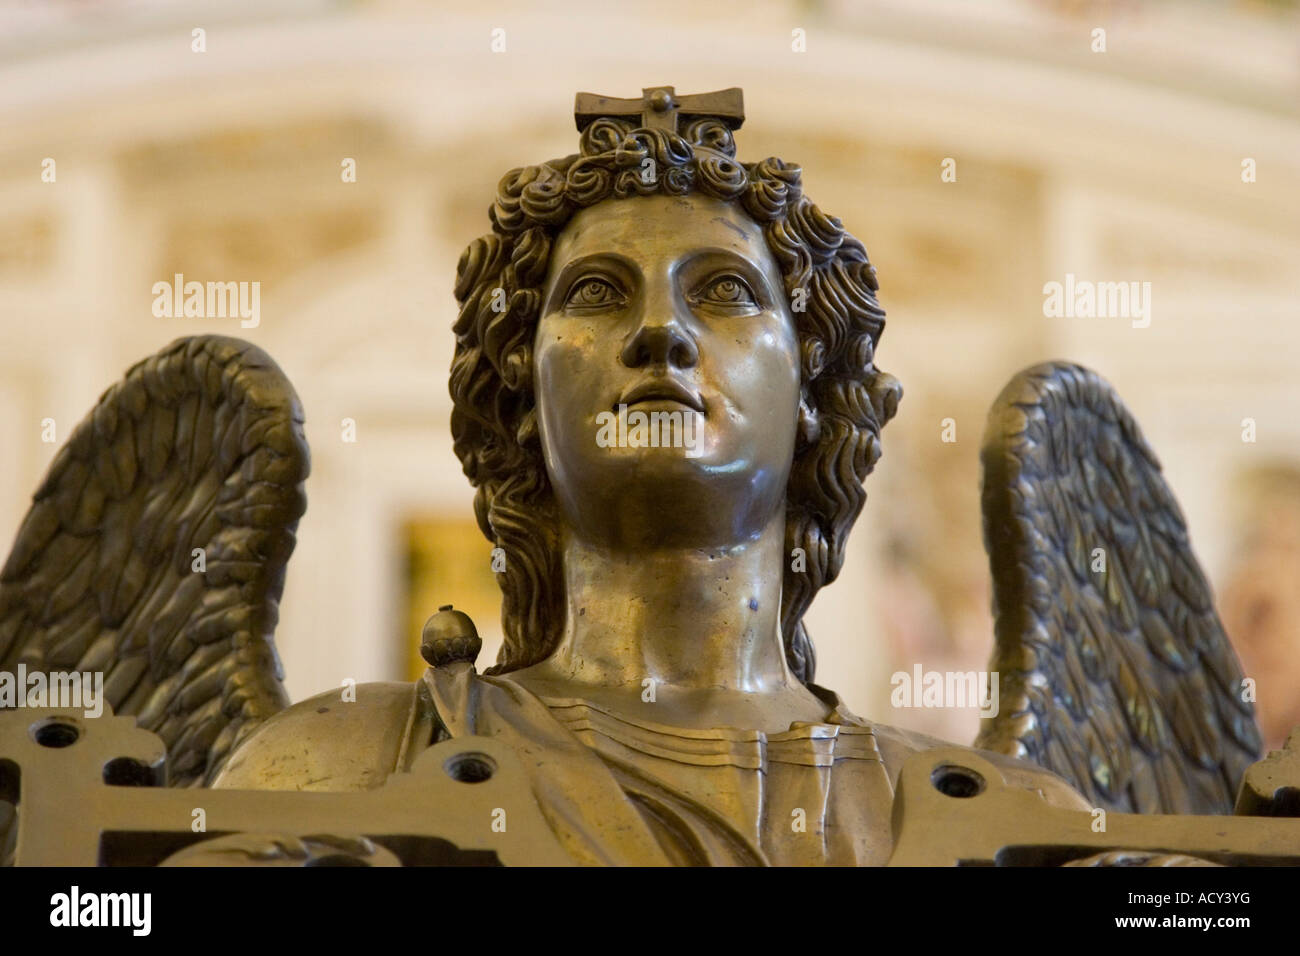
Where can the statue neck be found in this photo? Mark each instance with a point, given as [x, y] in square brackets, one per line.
[684, 618]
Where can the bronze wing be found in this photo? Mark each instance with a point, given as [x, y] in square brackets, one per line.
[1115, 671]
[155, 549]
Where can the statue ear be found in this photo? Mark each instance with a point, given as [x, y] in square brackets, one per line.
[810, 427]
[517, 369]
[526, 434]
[886, 393]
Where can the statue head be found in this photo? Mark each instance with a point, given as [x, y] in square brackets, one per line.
[654, 270]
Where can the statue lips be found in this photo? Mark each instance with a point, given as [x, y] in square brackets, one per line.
[661, 389]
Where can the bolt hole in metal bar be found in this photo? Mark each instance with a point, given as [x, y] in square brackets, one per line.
[470, 767]
[956, 781]
[55, 734]
[128, 772]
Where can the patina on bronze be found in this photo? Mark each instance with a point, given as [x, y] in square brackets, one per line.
[656, 678]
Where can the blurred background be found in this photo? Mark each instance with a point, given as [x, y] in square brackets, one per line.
[208, 139]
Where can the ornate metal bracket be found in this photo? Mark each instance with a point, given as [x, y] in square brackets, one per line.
[954, 808]
[91, 792]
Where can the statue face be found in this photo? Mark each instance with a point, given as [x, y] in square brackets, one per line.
[671, 305]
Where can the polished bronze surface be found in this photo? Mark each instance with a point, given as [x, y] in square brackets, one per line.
[671, 563]
[666, 397]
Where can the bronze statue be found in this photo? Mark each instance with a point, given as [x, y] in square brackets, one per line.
[667, 400]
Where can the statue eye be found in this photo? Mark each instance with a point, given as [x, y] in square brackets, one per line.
[593, 293]
[727, 290]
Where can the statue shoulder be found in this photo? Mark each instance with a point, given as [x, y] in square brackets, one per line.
[327, 743]
[897, 744]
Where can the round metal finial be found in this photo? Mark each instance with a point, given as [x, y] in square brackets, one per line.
[450, 637]
[661, 101]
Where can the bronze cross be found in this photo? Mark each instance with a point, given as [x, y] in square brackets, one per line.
[660, 106]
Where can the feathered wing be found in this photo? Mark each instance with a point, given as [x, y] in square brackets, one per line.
[199, 447]
[1114, 670]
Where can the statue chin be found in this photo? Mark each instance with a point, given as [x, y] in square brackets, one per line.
[719, 486]
[660, 498]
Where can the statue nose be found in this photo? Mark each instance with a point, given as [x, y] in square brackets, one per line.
[660, 343]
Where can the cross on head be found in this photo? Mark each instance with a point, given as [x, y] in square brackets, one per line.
[659, 107]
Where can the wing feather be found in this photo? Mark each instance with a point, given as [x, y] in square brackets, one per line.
[1115, 674]
[199, 446]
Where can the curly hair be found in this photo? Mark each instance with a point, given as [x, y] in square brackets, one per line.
[831, 286]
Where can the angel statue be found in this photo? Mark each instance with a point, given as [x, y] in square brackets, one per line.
[657, 679]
